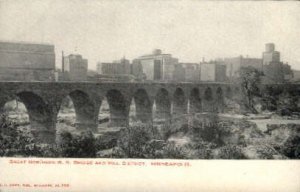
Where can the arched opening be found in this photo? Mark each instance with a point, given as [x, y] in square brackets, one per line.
[117, 108]
[85, 110]
[104, 115]
[17, 112]
[208, 94]
[66, 117]
[219, 100]
[142, 106]
[208, 105]
[195, 105]
[179, 102]
[132, 112]
[40, 116]
[14, 110]
[162, 105]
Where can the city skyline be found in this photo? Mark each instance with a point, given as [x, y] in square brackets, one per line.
[103, 31]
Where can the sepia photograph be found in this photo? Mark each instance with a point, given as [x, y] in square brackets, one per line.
[154, 80]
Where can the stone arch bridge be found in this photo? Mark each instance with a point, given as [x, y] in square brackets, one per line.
[43, 101]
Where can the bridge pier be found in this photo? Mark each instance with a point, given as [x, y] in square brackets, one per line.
[84, 126]
[44, 136]
[143, 114]
[163, 111]
[143, 106]
[195, 102]
[86, 109]
[162, 105]
[179, 108]
[43, 126]
[209, 106]
[118, 121]
[179, 104]
[119, 109]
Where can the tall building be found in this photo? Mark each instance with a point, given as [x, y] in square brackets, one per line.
[137, 70]
[270, 55]
[179, 73]
[212, 72]
[22, 61]
[75, 68]
[274, 70]
[158, 66]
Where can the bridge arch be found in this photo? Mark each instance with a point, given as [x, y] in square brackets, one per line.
[163, 104]
[118, 108]
[143, 105]
[208, 94]
[195, 105]
[41, 117]
[85, 110]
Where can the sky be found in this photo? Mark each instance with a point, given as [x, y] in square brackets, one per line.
[103, 31]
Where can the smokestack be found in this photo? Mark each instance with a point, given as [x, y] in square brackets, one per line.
[62, 65]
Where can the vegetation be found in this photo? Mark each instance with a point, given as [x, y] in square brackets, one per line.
[210, 140]
[14, 142]
[250, 80]
[291, 147]
[82, 145]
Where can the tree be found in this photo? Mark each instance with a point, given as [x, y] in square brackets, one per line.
[250, 81]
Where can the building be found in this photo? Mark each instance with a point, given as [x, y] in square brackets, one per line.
[117, 67]
[123, 66]
[158, 66]
[119, 70]
[192, 72]
[75, 68]
[212, 72]
[137, 70]
[234, 64]
[22, 61]
[288, 72]
[179, 73]
[296, 76]
[274, 70]
[270, 55]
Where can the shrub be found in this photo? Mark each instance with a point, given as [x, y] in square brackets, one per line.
[231, 152]
[133, 139]
[107, 141]
[171, 151]
[203, 149]
[15, 142]
[82, 145]
[291, 147]
[210, 129]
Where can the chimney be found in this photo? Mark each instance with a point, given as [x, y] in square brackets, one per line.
[62, 65]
